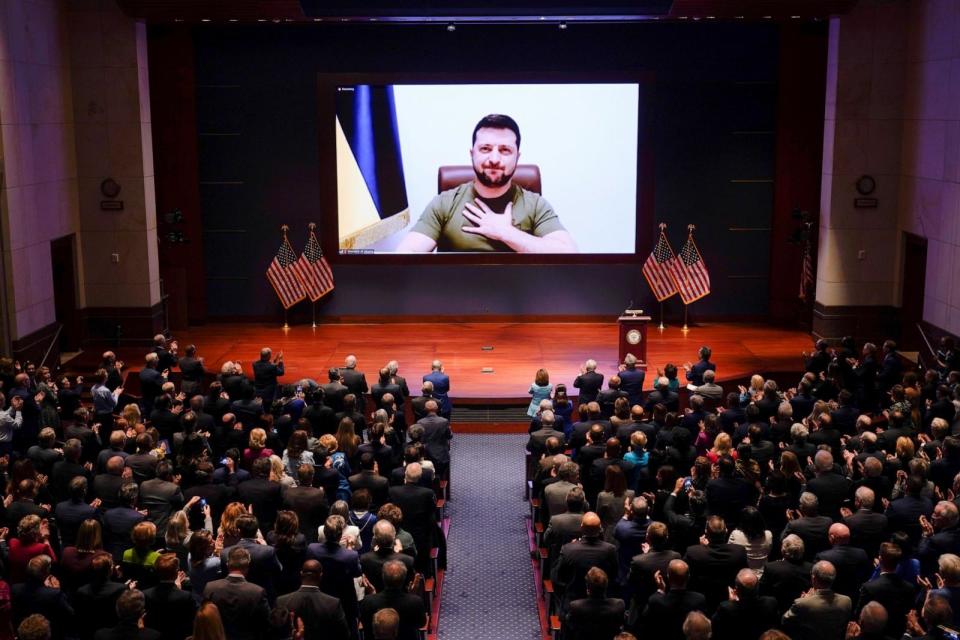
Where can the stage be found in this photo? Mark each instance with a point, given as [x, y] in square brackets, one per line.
[518, 350]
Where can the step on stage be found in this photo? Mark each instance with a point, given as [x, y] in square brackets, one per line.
[492, 364]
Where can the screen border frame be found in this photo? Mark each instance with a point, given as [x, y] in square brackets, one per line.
[327, 84]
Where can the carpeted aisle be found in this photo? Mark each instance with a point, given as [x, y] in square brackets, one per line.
[489, 585]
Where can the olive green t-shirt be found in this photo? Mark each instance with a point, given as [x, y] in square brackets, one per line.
[443, 219]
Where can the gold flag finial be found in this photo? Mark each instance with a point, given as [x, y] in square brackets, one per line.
[311, 226]
[663, 226]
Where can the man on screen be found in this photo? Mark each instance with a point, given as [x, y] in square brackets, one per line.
[491, 213]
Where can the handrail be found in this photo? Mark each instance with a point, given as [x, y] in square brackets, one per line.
[56, 337]
[930, 349]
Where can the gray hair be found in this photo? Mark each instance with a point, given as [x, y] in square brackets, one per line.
[630, 360]
[808, 501]
[547, 418]
[798, 431]
[590, 365]
[792, 547]
[709, 376]
[949, 566]
[866, 497]
[823, 460]
[824, 572]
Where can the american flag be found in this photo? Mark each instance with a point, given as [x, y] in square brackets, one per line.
[690, 273]
[283, 276]
[655, 269]
[314, 270]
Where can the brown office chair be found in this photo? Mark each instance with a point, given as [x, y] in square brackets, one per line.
[526, 175]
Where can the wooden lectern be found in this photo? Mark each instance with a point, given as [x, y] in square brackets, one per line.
[632, 327]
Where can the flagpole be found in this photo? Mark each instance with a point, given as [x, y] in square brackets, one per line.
[313, 307]
[284, 228]
[661, 327]
[686, 307]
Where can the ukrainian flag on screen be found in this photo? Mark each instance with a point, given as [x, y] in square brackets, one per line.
[370, 180]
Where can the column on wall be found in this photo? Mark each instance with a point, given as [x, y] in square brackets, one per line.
[118, 231]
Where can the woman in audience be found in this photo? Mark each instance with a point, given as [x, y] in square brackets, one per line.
[207, 624]
[752, 393]
[256, 448]
[639, 457]
[291, 547]
[33, 539]
[297, 453]
[76, 559]
[670, 373]
[139, 559]
[793, 476]
[204, 563]
[701, 473]
[774, 502]
[611, 501]
[49, 415]
[621, 414]
[752, 534]
[708, 435]
[350, 538]
[279, 474]
[348, 442]
[539, 390]
[227, 534]
[722, 446]
[131, 413]
[562, 409]
[339, 462]
[361, 518]
[176, 537]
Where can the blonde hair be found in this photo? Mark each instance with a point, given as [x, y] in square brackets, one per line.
[176, 531]
[756, 383]
[542, 378]
[905, 447]
[638, 440]
[329, 442]
[258, 438]
[722, 444]
[276, 468]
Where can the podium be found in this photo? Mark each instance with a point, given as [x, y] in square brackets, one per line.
[632, 330]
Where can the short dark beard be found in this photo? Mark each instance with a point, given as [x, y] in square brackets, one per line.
[487, 182]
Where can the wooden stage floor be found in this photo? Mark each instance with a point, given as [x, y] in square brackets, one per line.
[519, 349]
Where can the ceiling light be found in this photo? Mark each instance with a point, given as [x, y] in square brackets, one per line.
[562, 26]
[451, 27]
[204, 19]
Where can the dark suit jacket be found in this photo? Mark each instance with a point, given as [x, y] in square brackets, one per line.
[340, 567]
[355, 381]
[161, 498]
[785, 580]
[831, 490]
[117, 525]
[895, 594]
[631, 381]
[589, 384]
[170, 610]
[191, 376]
[904, 513]
[641, 582]
[128, 632]
[98, 602]
[745, 618]
[441, 389]
[594, 619]
[436, 438]
[932, 547]
[243, 607]
[333, 393]
[418, 505]
[695, 375]
[576, 558]
[265, 496]
[29, 598]
[377, 391]
[310, 504]
[151, 383]
[607, 398]
[70, 515]
[713, 568]
[868, 529]
[322, 615]
[726, 497]
[669, 399]
[853, 567]
[665, 612]
[410, 607]
[265, 376]
[377, 485]
[265, 568]
[813, 531]
[372, 565]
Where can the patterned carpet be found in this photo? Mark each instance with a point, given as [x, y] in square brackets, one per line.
[489, 589]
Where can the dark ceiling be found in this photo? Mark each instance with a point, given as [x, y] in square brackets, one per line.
[425, 11]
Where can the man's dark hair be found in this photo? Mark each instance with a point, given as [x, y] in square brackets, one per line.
[131, 605]
[497, 121]
[78, 488]
[247, 525]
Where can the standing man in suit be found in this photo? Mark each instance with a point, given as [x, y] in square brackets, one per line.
[409, 607]
[667, 610]
[393, 367]
[419, 507]
[353, 379]
[192, 372]
[264, 494]
[589, 382]
[821, 614]
[334, 390]
[441, 387]
[579, 556]
[895, 594]
[436, 438]
[264, 567]
[152, 378]
[166, 353]
[170, 609]
[322, 614]
[595, 617]
[631, 379]
[714, 565]
[663, 395]
[853, 565]
[340, 566]
[266, 370]
[694, 372]
[867, 527]
[243, 605]
[746, 614]
[812, 528]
